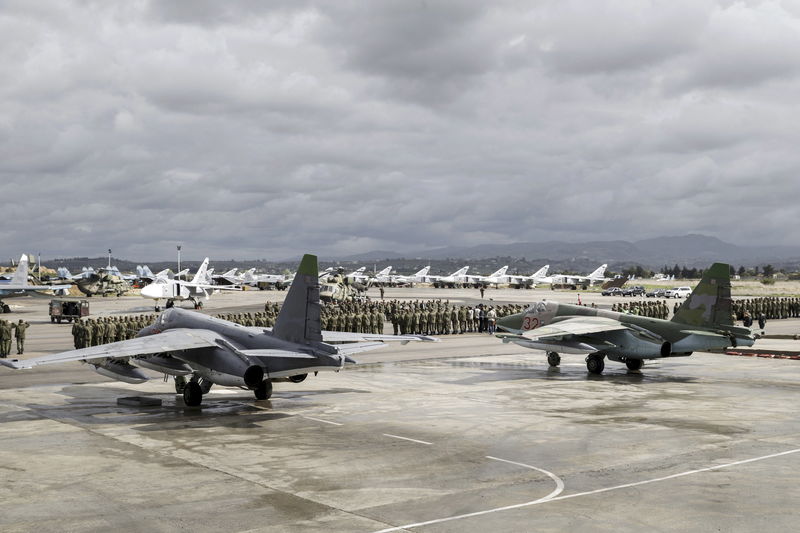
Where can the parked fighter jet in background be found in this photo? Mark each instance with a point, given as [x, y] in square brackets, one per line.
[18, 285]
[456, 279]
[702, 323]
[418, 277]
[575, 280]
[527, 282]
[176, 289]
[212, 351]
[495, 278]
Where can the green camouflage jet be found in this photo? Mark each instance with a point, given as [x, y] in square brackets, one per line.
[702, 323]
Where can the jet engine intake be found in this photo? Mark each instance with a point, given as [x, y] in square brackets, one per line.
[253, 376]
[666, 349]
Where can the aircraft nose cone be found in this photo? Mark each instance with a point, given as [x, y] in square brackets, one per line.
[151, 291]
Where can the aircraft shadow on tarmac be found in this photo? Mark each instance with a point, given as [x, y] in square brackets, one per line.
[95, 405]
[515, 371]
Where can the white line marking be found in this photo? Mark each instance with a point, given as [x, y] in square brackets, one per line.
[559, 482]
[576, 495]
[323, 421]
[406, 438]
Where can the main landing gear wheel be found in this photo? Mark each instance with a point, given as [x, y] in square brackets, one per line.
[192, 394]
[634, 364]
[553, 359]
[298, 378]
[264, 390]
[595, 363]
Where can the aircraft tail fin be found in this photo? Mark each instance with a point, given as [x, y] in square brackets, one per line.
[20, 276]
[599, 273]
[497, 274]
[423, 272]
[384, 272]
[710, 302]
[460, 271]
[299, 318]
[200, 275]
[542, 272]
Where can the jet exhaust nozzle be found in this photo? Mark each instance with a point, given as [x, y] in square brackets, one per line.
[253, 376]
[666, 349]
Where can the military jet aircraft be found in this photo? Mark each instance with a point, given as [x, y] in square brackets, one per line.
[418, 277]
[702, 323]
[495, 278]
[575, 280]
[18, 285]
[528, 282]
[171, 290]
[457, 278]
[209, 350]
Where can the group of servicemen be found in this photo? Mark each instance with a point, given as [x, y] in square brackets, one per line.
[257, 319]
[9, 330]
[437, 317]
[102, 330]
[773, 308]
[648, 308]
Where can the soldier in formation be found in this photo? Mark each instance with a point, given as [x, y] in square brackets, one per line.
[648, 308]
[103, 330]
[773, 308]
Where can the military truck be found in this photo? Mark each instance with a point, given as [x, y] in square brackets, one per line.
[68, 309]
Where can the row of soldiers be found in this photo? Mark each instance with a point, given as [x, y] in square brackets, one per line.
[435, 317]
[773, 307]
[648, 308]
[102, 330]
[9, 330]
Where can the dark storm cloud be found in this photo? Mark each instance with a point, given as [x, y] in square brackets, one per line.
[253, 129]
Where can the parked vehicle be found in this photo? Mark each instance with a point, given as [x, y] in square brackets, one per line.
[678, 292]
[613, 291]
[636, 290]
[656, 293]
[68, 309]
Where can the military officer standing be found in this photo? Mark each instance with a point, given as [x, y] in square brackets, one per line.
[19, 334]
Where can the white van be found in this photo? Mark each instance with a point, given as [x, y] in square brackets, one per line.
[678, 292]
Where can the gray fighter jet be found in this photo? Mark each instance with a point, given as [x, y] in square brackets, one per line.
[207, 350]
[702, 323]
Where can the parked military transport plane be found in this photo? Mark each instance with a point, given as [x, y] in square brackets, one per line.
[208, 350]
[702, 323]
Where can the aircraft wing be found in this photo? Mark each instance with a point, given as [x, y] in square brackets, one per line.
[358, 347]
[167, 341]
[344, 336]
[578, 326]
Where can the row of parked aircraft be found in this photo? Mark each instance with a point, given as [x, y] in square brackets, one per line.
[461, 277]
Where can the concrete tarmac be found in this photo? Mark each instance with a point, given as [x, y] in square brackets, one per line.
[464, 435]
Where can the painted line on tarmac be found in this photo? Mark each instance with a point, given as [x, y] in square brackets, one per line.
[588, 493]
[323, 421]
[408, 439]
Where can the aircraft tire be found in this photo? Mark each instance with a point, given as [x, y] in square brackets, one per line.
[264, 390]
[595, 363]
[634, 364]
[192, 394]
[298, 378]
[553, 359]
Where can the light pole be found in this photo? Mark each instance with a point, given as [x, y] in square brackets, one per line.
[179, 258]
[109, 258]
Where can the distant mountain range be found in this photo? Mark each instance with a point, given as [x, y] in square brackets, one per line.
[690, 250]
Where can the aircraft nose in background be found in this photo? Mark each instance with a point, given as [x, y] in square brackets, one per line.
[152, 291]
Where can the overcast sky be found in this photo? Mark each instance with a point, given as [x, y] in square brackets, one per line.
[267, 129]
